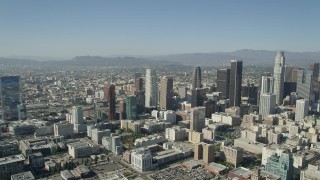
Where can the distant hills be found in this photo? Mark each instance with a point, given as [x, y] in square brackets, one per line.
[255, 57]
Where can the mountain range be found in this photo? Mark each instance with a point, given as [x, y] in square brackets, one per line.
[249, 57]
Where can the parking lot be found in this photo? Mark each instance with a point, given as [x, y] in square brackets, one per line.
[181, 173]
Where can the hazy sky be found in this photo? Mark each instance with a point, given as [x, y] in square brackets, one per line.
[67, 28]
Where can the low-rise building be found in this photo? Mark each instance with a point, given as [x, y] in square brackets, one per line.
[215, 168]
[63, 129]
[141, 159]
[149, 140]
[8, 148]
[82, 149]
[240, 173]
[176, 133]
[195, 137]
[97, 135]
[23, 176]
[51, 166]
[231, 154]
[9, 165]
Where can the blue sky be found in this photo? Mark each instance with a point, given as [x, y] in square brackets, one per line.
[67, 28]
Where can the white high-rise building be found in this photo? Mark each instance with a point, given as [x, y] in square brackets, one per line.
[279, 72]
[197, 122]
[267, 84]
[302, 109]
[151, 88]
[77, 115]
[267, 104]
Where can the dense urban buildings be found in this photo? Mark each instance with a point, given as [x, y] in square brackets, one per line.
[223, 122]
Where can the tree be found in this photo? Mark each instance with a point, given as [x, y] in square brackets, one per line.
[95, 159]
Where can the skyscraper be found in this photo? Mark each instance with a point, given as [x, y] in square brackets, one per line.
[110, 96]
[10, 95]
[304, 85]
[151, 88]
[267, 84]
[198, 96]
[197, 122]
[131, 107]
[77, 115]
[166, 93]
[122, 110]
[223, 82]
[278, 74]
[196, 78]
[139, 84]
[315, 80]
[267, 104]
[235, 82]
[302, 109]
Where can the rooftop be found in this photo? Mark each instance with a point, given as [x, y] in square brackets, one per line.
[11, 159]
[23, 176]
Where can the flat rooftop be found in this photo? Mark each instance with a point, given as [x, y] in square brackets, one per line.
[23, 176]
[11, 159]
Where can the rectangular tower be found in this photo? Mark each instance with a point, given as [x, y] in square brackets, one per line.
[166, 93]
[223, 82]
[235, 83]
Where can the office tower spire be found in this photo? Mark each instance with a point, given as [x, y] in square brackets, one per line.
[235, 82]
[279, 72]
[196, 78]
[151, 88]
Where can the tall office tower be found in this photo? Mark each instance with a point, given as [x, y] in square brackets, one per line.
[267, 104]
[279, 76]
[197, 122]
[302, 109]
[198, 96]
[315, 80]
[267, 84]
[122, 110]
[290, 80]
[131, 107]
[198, 151]
[210, 108]
[110, 96]
[235, 83]
[151, 88]
[10, 95]
[166, 93]
[196, 78]
[22, 111]
[208, 153]
[223, 82]
[304, 85]
[139, 84]
[77, 115]
[251, 92]
[140, 95]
